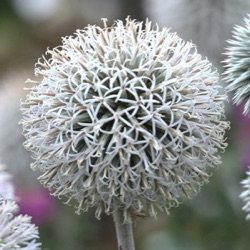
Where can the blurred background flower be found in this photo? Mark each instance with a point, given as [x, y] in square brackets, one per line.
[33, 11]
[16, 231]
[242, 135]
[36, 203]
[212, 220]
[7, 189]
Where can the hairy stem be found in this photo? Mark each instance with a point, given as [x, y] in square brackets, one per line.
[124, 232]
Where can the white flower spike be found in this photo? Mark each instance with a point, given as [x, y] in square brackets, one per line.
[16, 231]
[125, 117]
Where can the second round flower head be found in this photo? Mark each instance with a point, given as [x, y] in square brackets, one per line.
[237, 64]
[125, 117]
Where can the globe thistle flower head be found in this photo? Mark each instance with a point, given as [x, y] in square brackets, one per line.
[237, 65]
[16, 231]
[245, 195]
[127, 116]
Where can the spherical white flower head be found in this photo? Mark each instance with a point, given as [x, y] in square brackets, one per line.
[6, 186]
[245, 195]
[125, 117]
[16, 231]
[237, 65]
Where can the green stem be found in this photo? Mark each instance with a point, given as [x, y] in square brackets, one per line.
[124, 232]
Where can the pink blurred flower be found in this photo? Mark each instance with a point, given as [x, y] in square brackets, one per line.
[38, 204]
[242, 134]
[242, 120]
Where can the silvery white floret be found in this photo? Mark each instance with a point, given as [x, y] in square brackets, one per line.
[16, 231]
[237, 65]
[6, 186]
[126, 117]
